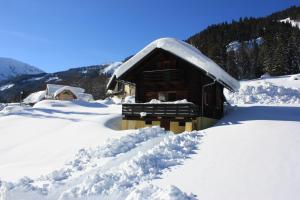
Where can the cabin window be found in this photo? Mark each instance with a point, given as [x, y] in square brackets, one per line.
[148, 122]
[181, 123]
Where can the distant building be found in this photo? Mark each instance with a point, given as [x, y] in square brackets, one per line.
[65, 93]
[52, 90]
[58, 92]
[187, 87]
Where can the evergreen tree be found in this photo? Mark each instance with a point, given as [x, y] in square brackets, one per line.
[231, 66]
[243, 61]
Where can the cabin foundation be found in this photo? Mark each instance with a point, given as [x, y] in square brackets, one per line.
[175, 125]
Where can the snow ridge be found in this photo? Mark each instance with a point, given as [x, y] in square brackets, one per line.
[142, 167]
[10, 68]
[263, 92]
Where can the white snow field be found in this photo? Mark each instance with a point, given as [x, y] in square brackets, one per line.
[36, 140]
[74, 150]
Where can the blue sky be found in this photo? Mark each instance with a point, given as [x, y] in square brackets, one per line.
[59, 34]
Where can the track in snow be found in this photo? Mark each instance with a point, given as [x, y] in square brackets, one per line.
[112, 171]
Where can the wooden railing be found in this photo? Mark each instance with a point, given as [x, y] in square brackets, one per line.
[161, 110]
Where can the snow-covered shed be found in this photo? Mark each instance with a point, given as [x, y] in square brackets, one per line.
[65, 93]
[170, 70]
[53, 90]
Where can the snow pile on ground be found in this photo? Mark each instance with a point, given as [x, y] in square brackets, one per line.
[152, 192]
[295, 77]
[2, 105]
[111, 100]
[11, 108]
[129, 99]
[35, 97]
[114, 170]
[263, 92]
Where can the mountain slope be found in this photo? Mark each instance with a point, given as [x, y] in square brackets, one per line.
[10, 68]
[278, 53]
[92, 78]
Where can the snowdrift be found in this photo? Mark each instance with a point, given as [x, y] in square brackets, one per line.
[267, 91]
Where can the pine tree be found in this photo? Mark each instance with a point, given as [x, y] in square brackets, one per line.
[231, 66]
[243, 61]
[255, 62]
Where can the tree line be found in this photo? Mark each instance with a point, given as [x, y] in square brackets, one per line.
[278, 53]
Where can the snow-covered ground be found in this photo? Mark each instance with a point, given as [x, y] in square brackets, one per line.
[74, 150]
[34, 141]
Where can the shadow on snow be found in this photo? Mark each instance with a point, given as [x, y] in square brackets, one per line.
[252, 113]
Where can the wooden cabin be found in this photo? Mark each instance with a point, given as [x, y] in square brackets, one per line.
[170, 70]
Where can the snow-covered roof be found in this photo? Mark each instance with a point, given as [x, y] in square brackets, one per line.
[53, 88]
[187, 53]
[65, 88]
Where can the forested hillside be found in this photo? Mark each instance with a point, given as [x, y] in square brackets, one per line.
[250, 47]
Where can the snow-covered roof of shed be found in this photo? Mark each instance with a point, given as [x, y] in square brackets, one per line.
[52, 88]
[72, 89]
[187, 53]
